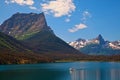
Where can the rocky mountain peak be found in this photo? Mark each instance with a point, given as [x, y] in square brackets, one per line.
[22, 25]
[100, 39]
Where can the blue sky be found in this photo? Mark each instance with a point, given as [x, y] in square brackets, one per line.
[71, 19]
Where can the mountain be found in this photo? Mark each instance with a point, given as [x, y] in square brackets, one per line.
[100, 40]
[32, 30]
[26, 38]
[23, 25]
[97, 46]
[47, 42]
[14, 52]
[9, 43]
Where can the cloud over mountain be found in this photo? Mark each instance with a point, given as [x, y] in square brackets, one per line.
[59, 7]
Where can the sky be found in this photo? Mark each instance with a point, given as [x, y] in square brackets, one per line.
[71, 19]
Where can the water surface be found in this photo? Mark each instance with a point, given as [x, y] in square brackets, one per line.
[62, 71]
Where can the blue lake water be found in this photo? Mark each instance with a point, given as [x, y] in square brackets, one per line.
[62, 71]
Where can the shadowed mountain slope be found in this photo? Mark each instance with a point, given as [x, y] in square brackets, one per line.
[14, 52]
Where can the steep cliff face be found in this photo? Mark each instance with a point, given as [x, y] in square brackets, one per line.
[22, 25]
[100, 39]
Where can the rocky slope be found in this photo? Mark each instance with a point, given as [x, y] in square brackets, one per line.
[23, 25]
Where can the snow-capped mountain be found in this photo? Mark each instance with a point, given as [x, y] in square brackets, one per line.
[115, 44]
[96, 45]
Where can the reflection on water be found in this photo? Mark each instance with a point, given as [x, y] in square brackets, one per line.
[95, 74]
[32, 74]
[60, 71]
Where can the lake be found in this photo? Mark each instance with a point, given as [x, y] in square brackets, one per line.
[62, 71]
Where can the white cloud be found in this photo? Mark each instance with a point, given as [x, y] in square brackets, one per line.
[32, 7]
[85, 15]
[67, 20]
[59, 7]
[77, 27]
[20, 2]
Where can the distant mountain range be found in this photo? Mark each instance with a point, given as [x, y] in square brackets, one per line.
[97, 46]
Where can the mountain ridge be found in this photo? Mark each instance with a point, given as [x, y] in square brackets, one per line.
[97, 46]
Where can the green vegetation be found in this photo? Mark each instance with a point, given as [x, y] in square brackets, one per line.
[25, 36]
[52, 49]
[7, 42]
[46, 42]
[13, 52]
[12, 57]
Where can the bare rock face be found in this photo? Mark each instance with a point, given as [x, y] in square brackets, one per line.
[100, 39]
[22, 25]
